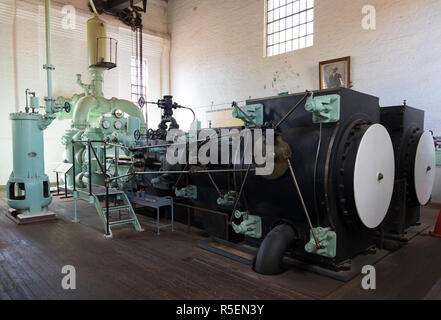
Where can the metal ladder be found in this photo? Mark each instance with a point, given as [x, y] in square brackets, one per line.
[118, 196]
[95, 193]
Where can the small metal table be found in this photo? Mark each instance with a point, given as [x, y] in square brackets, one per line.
[63, 168]
[151, 201]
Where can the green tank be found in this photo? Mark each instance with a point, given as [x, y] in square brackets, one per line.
[28, 188]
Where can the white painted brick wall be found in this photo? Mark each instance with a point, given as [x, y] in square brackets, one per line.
[218, 45]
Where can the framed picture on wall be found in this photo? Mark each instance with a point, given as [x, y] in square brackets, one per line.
[335, 73]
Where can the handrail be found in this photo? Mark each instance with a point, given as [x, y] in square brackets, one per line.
[103, 168]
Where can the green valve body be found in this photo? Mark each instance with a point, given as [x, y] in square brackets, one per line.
[28, 186]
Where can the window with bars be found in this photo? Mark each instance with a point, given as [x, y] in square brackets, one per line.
[290, 25]
[138, 88]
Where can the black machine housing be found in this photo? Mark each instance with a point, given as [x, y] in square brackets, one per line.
[326, 185]
[406, 126]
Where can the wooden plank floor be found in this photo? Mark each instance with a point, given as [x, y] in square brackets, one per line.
[143, 265]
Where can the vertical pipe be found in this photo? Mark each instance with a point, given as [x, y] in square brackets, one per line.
[48, 66]
[48, 31]
[15, 57]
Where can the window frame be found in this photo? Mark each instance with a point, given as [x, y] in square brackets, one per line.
[134, 85]
[297, 31]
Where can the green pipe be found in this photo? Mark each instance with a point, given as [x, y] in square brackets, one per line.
[81, 112]
[72, 101]
[82, 85]
[50, 100]
[48, 31]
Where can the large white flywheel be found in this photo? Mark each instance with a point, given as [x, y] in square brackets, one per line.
[424, 170]
[374, 175]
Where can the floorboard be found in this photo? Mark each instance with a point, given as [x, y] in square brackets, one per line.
[142, 265]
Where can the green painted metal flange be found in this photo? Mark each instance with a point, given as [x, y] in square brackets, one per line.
[253, 111]
[325, 109]
[327, 240]
[251, 226]
[228, 199]
[189, 192]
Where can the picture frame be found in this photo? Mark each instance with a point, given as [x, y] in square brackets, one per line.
[335, 73]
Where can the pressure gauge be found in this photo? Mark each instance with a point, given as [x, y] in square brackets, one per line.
[118, 113]
[117, 124]
[106, 124]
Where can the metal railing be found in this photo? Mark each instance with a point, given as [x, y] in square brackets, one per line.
[108, 180]
[103, 168]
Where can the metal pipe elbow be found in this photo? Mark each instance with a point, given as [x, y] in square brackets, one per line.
[271, 251]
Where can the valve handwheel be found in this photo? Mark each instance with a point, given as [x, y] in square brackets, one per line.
[137, 134]
[67, 107]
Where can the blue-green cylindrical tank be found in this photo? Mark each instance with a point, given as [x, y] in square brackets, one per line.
[28, 188]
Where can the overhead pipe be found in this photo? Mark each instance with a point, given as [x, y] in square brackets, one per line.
[93, 7]
[51, 106]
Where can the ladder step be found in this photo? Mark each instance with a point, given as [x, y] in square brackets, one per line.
[113, 209]
[115, 223]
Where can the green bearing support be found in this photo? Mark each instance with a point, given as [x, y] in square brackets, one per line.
[28, 186]
[228, 199]
[189, 192]
[251, 226]
[327, 240]
[253, 112]
[325, 109]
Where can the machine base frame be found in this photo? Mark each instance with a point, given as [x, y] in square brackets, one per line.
[22, 219]
[356, 264]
